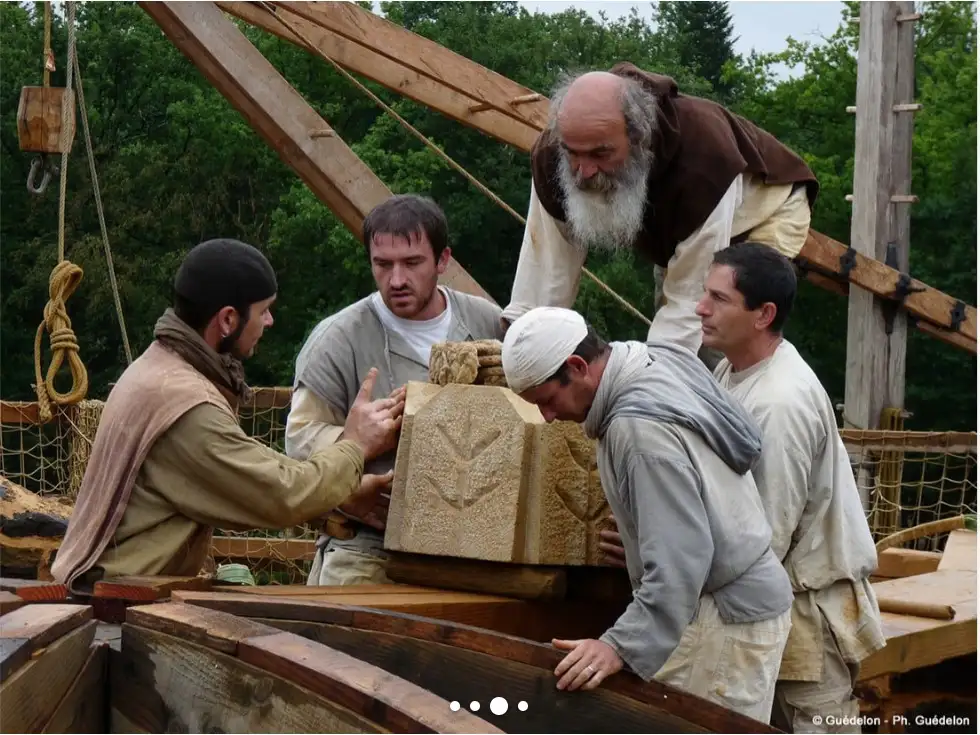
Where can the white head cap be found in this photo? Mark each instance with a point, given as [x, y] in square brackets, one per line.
[538, 343]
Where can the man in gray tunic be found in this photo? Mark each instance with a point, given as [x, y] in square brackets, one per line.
[711, 602]
[393, 329]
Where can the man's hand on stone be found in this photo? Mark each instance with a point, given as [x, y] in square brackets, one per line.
[611, 545]
[367, 503]
[587, 665]
[374, 425]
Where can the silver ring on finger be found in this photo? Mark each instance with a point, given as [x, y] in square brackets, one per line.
[591, 669]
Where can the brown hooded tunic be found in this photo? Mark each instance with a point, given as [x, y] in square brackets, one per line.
[699, 148]
[170, 462]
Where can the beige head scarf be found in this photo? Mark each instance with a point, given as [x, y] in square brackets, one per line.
[538, 343]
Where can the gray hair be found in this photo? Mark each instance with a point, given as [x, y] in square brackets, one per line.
[638, 104]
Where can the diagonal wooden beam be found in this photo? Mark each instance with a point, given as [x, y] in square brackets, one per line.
[281, 116]
[463, 90]
[356, 41]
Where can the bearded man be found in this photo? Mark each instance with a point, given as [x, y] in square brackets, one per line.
[170, 461]
[406, 240]
[626, 162]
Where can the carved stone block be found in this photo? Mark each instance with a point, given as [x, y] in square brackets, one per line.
[479, 474]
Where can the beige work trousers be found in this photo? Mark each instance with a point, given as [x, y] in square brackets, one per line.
[732, 664]
[785, 231]
[827, 705]
[336, 566]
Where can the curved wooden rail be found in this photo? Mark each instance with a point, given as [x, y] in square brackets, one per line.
[466, 663]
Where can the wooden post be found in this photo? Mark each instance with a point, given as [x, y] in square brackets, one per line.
[876, 331]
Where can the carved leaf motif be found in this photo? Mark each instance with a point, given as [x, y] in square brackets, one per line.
[466, 443]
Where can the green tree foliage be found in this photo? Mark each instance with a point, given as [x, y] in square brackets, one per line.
[178, 164]
[702, 37]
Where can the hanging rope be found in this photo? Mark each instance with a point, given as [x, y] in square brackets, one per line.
[438, 151]
[98, 207]
[64, 280]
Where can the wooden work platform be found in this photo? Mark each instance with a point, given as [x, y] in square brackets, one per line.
[915, 641]
[928, 661]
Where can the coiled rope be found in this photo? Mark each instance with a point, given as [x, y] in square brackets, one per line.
[63, 281]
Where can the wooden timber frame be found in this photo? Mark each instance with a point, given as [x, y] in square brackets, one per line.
[424, 71]
[171, 654]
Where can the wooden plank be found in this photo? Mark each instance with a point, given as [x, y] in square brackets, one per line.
[960, 551]
[231, 547]
[146, 588]
[917, 642]
[492, 648]
[42, 624]
[281, 116]
[483, 610]
[367, 690]
[534, 620]
[21, 412]
[458, 674]
[9, 602]
[29, 628]
[162, 683]
[14, 653]
[82, 709]
[368, 59]
[51, 673]
[426, 57]
[210, 628]
[942, 442]
[312, 592]
[894, 563]
[32, 590]
[873, 276]
[492, 578]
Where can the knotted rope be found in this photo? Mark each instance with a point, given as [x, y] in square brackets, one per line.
[63, 281]
[64, 345]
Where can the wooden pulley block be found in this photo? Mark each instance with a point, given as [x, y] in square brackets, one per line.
[39, 119]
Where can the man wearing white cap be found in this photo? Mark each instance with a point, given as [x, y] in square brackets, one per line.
[711, 602]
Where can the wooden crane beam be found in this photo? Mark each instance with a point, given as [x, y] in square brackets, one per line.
[424, 71]
[281, 116]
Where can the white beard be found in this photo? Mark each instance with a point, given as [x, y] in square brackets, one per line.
[610, 216]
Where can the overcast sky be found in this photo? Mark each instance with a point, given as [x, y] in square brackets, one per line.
[763, 26]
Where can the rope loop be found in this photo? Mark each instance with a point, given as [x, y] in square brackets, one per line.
[64, 344]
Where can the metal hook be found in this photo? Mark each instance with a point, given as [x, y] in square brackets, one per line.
[39, 161]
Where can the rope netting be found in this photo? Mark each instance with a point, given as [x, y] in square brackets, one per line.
[906, 478]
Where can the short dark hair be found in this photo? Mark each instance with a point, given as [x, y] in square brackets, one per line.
[217, 273]
[589, 349]
[405, 215]
[762, 275]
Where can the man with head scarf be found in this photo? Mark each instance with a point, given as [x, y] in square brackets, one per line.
[170, 461]
[627, 163]
[807, 486]
[710, 610]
